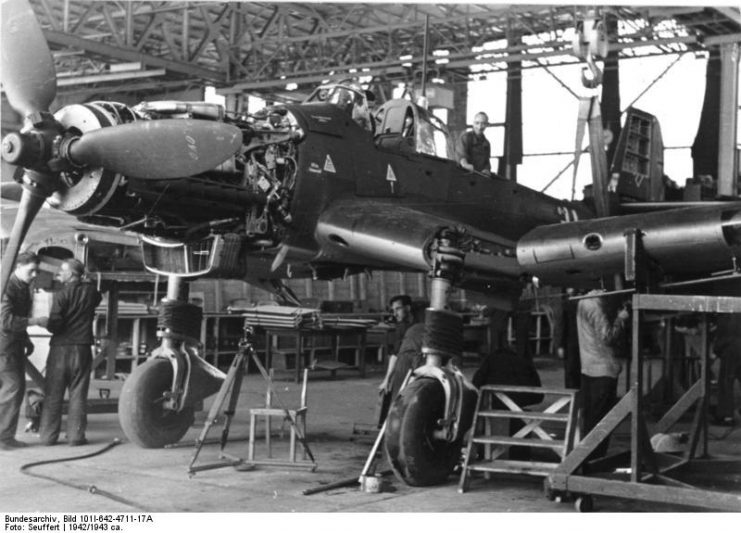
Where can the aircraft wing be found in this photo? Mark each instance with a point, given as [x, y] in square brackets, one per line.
[388, 235]
[685, 242]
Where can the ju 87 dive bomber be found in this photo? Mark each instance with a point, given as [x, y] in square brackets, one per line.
[321, 189]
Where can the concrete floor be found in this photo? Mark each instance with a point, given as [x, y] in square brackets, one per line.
[157, 480]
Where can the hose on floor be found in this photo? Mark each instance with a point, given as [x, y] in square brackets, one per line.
[92, 489]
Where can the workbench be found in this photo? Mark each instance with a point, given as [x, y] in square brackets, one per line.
[308, 343]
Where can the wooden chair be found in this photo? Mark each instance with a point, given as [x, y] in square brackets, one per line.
[286, 415]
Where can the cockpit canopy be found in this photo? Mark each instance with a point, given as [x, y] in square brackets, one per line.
[397, 122]
[342, 94]
[427, 133]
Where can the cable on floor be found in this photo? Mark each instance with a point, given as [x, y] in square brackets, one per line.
[92, 489]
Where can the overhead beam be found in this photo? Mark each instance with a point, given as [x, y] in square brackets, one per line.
[87, 92]
[464, 60]
[109, 77]
[123, 54]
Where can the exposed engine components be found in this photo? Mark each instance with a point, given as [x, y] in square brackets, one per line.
[270, 168]
[253, 188]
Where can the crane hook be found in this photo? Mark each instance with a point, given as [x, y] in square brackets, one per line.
[591, 74]
[590, 42]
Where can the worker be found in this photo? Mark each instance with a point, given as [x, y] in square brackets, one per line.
[401, 307]
[15, 346]
[601, 340]
[69, 363]
[363, 107]
[727, 346]
[408, 357]
[474, 150]
[569, 345]
[522, 320]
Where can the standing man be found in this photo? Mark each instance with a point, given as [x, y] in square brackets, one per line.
[409, 356]
[474, 150]
[600, 336]
[15, 346]
[401, 307]
[570, 342]
[70, 355]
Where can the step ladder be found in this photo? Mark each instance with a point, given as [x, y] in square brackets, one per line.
[491, 429]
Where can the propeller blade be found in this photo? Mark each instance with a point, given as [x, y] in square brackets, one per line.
[28, 208]
[158, 149]
[29, 77]
[11, 190]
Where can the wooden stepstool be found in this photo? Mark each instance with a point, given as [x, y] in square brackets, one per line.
[560, 406]
[298, 415]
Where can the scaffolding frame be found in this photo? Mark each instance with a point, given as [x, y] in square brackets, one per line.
[647, 476]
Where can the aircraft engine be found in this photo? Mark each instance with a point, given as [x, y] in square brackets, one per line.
[685, 241]
[86, 190]
[252, 189]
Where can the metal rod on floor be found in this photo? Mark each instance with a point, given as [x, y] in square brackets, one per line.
[339, 484]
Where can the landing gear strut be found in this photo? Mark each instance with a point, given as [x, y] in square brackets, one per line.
[427, 421]
[158, 399]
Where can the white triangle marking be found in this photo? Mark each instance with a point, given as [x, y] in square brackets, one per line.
[329, 165]
[390, 176]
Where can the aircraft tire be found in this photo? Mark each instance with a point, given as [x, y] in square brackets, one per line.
[140, 413]
[415, 456]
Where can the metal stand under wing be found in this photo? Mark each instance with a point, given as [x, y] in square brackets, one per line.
[647, 476]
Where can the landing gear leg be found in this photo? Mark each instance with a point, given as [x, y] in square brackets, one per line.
[157, 401]
[429, 418]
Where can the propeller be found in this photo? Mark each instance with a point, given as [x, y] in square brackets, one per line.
[149, 149]
[10, 190]
[28, 207]
[30, 84]
[29, 77]
[158, 149]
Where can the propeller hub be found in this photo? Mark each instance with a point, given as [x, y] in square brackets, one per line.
[41, 184]
[21, 149]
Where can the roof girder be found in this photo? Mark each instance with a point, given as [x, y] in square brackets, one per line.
[261, 42]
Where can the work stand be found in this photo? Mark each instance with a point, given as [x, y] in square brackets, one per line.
[645, 474]
[229, 394]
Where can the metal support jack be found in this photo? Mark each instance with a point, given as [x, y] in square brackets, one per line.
[645, 476]
[230, 390]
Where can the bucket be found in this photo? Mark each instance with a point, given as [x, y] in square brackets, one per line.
[371, 484]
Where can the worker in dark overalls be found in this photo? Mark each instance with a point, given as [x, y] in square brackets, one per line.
[15, 346]
[70, 355]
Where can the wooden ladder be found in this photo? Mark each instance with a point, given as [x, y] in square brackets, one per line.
[491, 428]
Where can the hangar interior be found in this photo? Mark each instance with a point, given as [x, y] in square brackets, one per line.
[246, 54]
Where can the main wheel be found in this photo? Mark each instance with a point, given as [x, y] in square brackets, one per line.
[416, 457]
[141, 413]
[584, 504]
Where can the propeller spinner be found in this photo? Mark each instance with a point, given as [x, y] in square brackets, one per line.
[150, 149]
